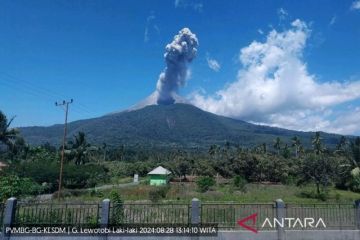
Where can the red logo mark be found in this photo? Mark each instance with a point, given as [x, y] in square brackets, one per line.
[244, 220]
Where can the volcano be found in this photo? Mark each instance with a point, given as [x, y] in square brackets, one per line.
[162, 126]
[152, 100]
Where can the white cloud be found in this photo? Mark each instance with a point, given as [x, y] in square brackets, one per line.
[150, 26]
[275, 88]
[346, 123]
[332, 21]
[196, 6]
[282, 13]
[260, 31]
[213, 64]
[355, 5]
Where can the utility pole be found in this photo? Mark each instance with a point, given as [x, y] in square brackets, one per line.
[64, 104]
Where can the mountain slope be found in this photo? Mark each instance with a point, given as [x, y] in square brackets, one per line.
[179, 125]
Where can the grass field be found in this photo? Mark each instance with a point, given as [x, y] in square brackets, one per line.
[255, 193]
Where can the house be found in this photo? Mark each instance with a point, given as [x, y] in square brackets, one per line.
[159, 176]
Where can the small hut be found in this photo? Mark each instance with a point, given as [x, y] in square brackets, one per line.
[159, 176]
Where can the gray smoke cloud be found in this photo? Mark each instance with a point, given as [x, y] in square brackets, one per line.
[181, 51]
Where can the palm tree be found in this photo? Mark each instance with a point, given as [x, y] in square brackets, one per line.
[7, 136]
[213, 150]
[296, 144]
[277, 145]
[353, 155]
[342, 145]
[264, 148]
[317, 144]
[301, 149]
[286, 151]
[104, 148]
[355, 150]
[79, 148]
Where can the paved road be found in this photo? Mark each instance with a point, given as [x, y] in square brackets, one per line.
[46, 197]
[123, 185]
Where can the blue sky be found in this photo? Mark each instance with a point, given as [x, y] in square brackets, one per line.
[107, 56]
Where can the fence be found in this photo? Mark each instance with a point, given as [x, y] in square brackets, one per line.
[224, 215]
[147, 213]
[2, 207]
[65, 214]
[336, 216]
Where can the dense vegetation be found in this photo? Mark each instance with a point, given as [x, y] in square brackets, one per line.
[179, 126]
[35, 169]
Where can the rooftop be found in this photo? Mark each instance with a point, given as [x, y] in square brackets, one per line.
[159, 171]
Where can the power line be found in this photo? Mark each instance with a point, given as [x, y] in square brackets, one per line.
[66, 105]
[36, 94]
[38, 91]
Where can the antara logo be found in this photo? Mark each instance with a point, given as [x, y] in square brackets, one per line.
[294, 222]
[281, 222]
[252, 218]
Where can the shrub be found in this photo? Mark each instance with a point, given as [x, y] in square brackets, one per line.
[83, 176]
[91, 220]
[355, 184]
[74, 176]
[14, 186]
[239, 183]
[158, 193]
[204, 183]
[323, 195]
[118, 207]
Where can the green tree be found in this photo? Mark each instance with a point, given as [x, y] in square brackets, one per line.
[204, 167]
[296, 144]
[342, 145]
[239, 183]
[349, 171]
[204, 183]
[183, 168]
[277, 145]
[317, 144]
[14, 186]
[117, 208]
[8, 135]
[264, 148]
[354, 165]
[104, 148]
[213, 150]
[286, 151]
[355, 150]
[79, 149]
[318, 169]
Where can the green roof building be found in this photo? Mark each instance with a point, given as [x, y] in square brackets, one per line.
[159, 176]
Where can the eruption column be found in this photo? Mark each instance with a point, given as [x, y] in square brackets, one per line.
[181, 51]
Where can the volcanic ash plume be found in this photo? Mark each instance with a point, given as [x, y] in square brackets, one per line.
[181, 51]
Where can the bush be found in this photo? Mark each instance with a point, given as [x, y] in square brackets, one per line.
[323, 196]
[355, 184]
[158, 193]
[118, 207]
[239, 183]
[83, 176]
[74, 176]
[204, 183]
[14, 186]
[40, 171]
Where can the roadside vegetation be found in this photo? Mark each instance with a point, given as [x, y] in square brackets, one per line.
[227, 172]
